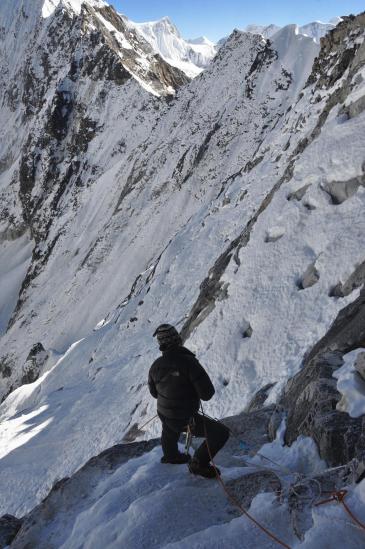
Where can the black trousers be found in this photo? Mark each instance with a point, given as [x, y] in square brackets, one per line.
[215, 433]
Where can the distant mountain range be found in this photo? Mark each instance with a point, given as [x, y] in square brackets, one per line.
[192, 56]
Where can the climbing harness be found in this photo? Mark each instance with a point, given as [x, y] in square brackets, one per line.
[233, 499]
[339, 497]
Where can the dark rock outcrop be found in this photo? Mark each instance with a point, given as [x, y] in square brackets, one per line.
[347, 331]
[355, 280]
[360, 365]
[309, 278]
[6, 365]
[311, 396]
[36, 359]
[250, 430]
[299, 193]
[258, 400]
[244, 489]
[355, 108]
[336, 56]
[9, 527]
[340, 191]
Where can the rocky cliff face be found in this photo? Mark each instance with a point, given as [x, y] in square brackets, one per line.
[56, 89]
[120, 181]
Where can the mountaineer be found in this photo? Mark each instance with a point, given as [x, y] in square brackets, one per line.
[179, 382]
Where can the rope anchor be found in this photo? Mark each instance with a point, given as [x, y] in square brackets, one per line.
[339, 497]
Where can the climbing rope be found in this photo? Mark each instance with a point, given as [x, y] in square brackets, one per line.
[339, 497]
[127, 440]
[301, 480]
[233, 499]
[147, 422]
[245, 446]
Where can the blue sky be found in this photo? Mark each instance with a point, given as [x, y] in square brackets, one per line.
[217, 18]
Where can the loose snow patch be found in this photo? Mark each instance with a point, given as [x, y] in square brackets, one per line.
[351, 386]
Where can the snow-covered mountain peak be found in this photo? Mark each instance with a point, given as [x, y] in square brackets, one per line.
[188, 55]
[266, 31]
[49, 6]
[315, 30]
[160, 28]
[201, 40]
[166, 24]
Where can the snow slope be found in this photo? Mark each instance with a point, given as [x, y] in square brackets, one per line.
[145, 194]
[119, 502]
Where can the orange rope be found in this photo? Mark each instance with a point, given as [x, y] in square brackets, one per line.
[233, 500]
[339, 497]
[147, 422]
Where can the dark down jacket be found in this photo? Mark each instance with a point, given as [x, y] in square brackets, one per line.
[179, 381]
